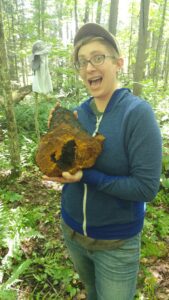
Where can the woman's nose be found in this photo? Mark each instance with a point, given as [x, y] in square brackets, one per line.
[90, 66]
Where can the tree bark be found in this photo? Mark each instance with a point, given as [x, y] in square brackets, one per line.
[141, 48]
[86, 15]
[99, 11]
[7, 92]
[39, 18]
[130, 42]
[156, 70]
[113, 16]
[76, 15]
[43, 8]
[166, 66]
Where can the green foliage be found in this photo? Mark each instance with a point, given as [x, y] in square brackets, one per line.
[25, 116]
[150, 285]
[6, 291]
[9, 196]
[25, 113]
[162, 199]
[165, 165]
[156, 228]
[153, 248]
[159, 220]
[6, 294]
[28, 151]
[38, 255]
[159, 100]
[165, 182]
[39, 260]
[4, 152]
[4, 220]
[49, 275]
[32, 249]
[16, 273]
[15, 226]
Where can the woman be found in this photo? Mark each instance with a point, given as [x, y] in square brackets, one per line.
[103, 207]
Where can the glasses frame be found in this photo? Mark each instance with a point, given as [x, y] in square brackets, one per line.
[86, 61]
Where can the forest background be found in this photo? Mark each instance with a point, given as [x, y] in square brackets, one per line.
[34, 261]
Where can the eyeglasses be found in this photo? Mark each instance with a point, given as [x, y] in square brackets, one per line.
[95, 61]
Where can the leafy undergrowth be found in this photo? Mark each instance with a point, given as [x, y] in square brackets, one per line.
[34, 260]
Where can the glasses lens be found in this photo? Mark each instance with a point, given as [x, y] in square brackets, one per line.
[98, 59]
[95, 61]
[82, 63]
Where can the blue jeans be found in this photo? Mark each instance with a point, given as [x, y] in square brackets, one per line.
[107, 274]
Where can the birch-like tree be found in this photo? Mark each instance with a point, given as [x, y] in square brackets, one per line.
[87, 10]
[156, 70]
[166, 66]
[7, 94]
[76, 14]
[141, 47]
[99, 11]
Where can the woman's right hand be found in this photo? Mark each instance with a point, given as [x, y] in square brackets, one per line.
[66, 177]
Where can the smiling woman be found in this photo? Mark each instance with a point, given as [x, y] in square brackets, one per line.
[103, 206]
[98, 69]
[93, 56]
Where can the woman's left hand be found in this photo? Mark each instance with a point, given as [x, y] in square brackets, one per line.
[66, 177]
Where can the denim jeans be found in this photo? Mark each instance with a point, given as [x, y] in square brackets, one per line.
[107, 274]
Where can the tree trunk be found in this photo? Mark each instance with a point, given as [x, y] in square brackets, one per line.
[10, 21]
[130, 42]
[157, 66]
[86, 15]
[113, 16]
[7, 92]
[13, 60]
[99, 11]
[39, 19]
[23, 71]
[141, 48]
[76, 15]
[165, 58]
[59, 19]
[166, 66]
[43, 7]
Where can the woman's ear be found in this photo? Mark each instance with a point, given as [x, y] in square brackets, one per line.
[120, 62]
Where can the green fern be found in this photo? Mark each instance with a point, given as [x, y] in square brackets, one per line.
[16, 274]
[6, 291]
[5, 216]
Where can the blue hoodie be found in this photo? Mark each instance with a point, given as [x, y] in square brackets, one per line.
[108, 203]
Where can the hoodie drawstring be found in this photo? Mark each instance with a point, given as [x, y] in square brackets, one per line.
[98, 121]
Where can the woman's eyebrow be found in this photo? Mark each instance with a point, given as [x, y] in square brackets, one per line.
[92, 53]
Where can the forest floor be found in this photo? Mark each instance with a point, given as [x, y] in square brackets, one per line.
[51, 274]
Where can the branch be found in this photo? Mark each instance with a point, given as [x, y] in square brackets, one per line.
[18, 95]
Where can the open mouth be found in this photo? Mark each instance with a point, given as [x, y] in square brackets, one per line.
[95, 82]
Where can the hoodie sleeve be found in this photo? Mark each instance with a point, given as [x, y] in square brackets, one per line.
[144, 150]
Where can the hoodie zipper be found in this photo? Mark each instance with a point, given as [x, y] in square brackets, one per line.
[98, 121]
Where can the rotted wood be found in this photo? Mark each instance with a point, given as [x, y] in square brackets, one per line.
[67, 146]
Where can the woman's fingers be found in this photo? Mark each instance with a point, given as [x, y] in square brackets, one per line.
[66, 177]
[75, 114]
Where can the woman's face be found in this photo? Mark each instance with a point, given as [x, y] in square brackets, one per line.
[100, 80]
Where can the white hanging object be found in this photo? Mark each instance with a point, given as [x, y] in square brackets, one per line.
[39, 62]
